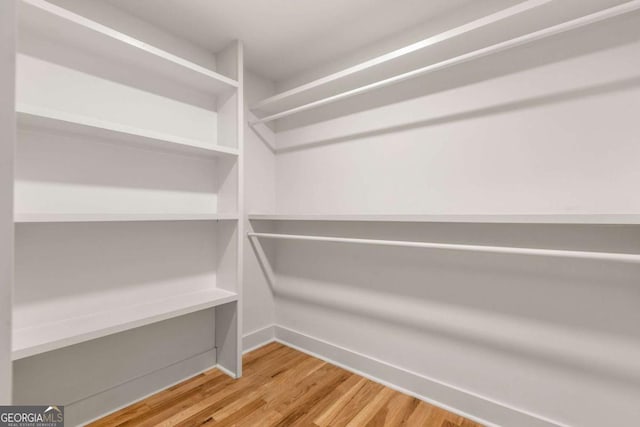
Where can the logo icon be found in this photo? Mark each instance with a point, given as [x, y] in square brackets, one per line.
[32, 416]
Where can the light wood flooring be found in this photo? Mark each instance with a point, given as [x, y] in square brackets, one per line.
[282, 387]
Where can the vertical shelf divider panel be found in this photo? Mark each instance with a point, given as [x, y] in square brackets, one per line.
[7, 143]
[230, 199]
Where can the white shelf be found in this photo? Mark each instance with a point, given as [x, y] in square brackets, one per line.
[604, 219]
[519, 25]
[70, 29]
[122, 217]
[73, 330]
[30, 117]
[395, 61]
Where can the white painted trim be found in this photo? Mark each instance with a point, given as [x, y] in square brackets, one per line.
[451, 398]
[258, 338]
[7, 150]
[227, 371]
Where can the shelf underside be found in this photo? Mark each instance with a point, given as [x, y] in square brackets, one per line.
[604, 219]
[48, 336]
[69, 29]
[32, 118]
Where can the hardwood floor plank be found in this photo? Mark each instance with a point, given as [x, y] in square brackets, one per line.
[260, 353]
[371, 408]
[311, 398]
[231, 418]
[324, 419]
[282, 387]
[420, 415]
[356, 404]
[120, 417]
[288, 396]
[327, 401]
[209, 405]
[260, 418]
[181, 399]
[396, 411]
[291, 377]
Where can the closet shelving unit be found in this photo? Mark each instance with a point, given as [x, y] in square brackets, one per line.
[524, 23]
[57, 26]
[516, 26]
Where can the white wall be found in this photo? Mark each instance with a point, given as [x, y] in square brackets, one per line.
[7, 141]
[536, 140]
[550, 128]
[258, 310]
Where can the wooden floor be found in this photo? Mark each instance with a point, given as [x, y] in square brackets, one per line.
[282, 387]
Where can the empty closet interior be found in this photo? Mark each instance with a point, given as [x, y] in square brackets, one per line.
[441, 196]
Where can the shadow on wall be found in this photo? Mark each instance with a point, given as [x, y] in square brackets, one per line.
[473, 114]
[574, 44]
[111, 258]
[74, 159]
[553, 310]
[90, 63]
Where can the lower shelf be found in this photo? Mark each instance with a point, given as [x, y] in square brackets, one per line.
[49, 336]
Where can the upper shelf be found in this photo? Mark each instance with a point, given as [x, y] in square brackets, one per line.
[38, 118]
[524, 23]
[71, 29]
[604, 219]
[22, 218]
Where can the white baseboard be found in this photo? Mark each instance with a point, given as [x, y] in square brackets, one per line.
[258, 338]
[468, 404]
[123, 395]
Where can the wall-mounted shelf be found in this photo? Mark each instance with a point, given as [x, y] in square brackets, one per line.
[119, 217]
[76, 329]
[409, 62]
[603, 219]
[47, 120]
[68, 28]
[331, 84]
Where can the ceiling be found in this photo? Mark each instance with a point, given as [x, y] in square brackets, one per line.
[285, 37]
